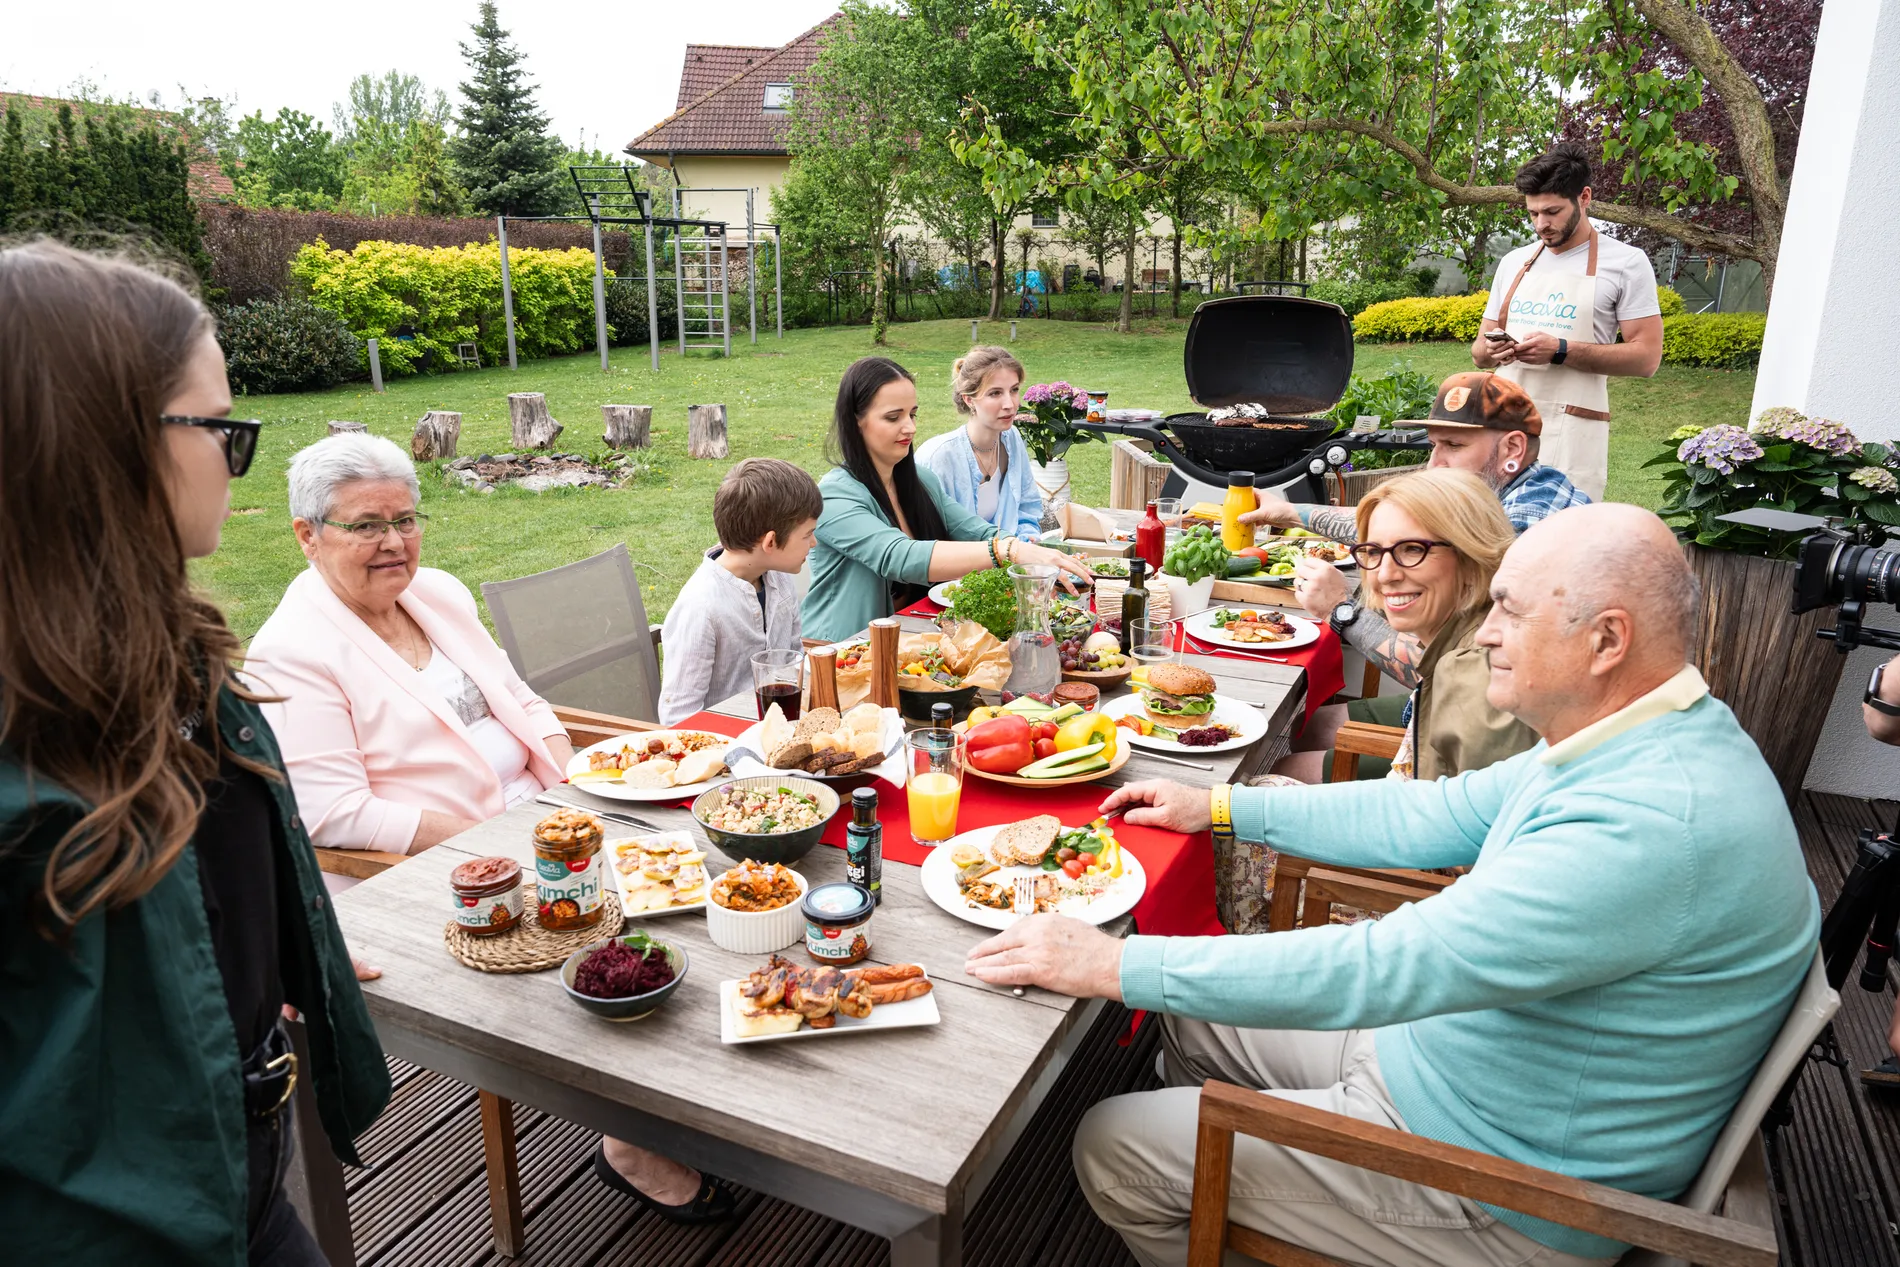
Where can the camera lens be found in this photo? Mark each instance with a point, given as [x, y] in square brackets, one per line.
[1867, 574]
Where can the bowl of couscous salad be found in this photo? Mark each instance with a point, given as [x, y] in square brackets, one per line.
[767, 818]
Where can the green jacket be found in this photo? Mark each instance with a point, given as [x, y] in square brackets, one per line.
[1455, 727]
[121, 1104]
[860, 552]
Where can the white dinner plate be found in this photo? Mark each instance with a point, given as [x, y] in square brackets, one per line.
[890, 769]
[940, 593]
[905, 1015]
[1201, 625]
[620, 791]
[1234, 714]
[939, 876]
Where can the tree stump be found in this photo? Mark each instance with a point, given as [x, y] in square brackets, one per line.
[534, 428]
[346, 428]
[706, 431]
[436, 434]
[627, 426]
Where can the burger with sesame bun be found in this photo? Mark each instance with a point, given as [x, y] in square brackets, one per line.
[1178, 696]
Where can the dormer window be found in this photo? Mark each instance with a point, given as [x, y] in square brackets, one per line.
[778, 97]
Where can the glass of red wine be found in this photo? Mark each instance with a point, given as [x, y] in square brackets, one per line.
[778, 677]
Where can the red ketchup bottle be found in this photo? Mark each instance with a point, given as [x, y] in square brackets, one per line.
[1151, 538]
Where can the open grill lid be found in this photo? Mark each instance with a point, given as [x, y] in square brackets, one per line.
[1293, 356]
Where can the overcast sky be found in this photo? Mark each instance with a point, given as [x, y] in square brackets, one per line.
[610, 69]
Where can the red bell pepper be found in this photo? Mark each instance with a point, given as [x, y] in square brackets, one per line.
[1000, 745]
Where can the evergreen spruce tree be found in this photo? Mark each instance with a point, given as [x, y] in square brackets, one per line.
[504, 156]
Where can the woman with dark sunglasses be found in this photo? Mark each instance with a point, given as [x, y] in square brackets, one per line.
[159, 900]
[1428, 546]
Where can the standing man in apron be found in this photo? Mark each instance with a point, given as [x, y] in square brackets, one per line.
[1556, 308]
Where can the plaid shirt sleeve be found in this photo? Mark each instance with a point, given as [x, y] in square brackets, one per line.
[1539, 493]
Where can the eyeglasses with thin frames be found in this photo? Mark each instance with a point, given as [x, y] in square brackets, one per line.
[240, 437]
[370, 532]
[1407, 554]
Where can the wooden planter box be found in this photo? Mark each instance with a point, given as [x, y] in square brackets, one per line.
[1769, 667]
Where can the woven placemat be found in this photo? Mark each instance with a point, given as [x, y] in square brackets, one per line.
[528, 947]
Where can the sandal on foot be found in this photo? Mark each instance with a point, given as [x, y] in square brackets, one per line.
[1884, 1074]
[713, 1202]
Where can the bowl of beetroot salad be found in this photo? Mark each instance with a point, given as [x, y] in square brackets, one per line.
[624, 978]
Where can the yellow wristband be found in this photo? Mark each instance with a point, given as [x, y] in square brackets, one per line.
[1221, 806]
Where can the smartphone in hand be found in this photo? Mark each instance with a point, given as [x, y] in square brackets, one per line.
[1499, 337]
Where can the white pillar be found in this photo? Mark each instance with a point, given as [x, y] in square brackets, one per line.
[1834, 282]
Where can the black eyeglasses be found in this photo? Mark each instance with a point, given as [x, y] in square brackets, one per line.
[1407, 554]
[240, 437]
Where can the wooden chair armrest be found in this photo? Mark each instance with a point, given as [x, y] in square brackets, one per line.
[585, 727]
[1369, 740]
[1369, 684]
[357, 864]
[814, 642]
[1375, 892]
[1706, 1239]
[1289, 870]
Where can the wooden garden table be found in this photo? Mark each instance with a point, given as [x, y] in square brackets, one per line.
[897, 1132]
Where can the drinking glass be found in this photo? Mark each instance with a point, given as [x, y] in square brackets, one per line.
[1151, 642]
[933, 783]
[778, 677]
[1168, 511]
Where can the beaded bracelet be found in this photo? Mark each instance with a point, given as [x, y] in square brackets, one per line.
[995, 562]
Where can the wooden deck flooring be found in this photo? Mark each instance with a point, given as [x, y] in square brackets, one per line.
[423, 1202]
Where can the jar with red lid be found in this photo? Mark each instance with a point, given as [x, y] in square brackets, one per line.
[568, 876]
[487, 895]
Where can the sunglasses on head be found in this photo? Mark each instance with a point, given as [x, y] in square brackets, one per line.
[240, 437]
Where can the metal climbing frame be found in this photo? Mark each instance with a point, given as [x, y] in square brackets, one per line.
[750, 245]
[699, 267]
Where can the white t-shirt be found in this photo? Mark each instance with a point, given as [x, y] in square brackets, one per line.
[506, 755]
[1626, 284]
[986, 493]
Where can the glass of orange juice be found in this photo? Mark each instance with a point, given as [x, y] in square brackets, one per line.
[933, 783]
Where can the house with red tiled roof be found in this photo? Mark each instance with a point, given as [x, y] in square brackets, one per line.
[208, 181]
[727, 129]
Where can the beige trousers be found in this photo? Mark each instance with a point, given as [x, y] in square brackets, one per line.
[1134, 1156]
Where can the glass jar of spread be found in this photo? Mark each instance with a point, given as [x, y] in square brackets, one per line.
[568, 875]
[1098, 407]
[487, 895]
[838, 923]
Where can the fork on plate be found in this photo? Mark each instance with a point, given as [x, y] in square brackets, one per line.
[1023, 895]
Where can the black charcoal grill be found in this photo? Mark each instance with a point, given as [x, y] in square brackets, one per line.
[1290, 357]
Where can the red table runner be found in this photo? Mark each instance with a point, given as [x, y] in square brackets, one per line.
[1323, 660]
[1179, 901]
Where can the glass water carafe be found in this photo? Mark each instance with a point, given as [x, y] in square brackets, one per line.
[1035, 665]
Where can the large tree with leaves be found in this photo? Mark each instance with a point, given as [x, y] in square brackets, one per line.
[852, 132]
[503, 155]
[1320, 108]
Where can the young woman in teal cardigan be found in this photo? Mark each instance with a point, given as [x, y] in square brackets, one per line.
[887, 531]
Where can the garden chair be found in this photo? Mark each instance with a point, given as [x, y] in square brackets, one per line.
[1725, 1219]
[579, 636]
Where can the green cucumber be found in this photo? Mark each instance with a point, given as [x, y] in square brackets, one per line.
[1089, 766]
[1064, 713]
[1243, 565]
[1058, 765]
[1023, 706]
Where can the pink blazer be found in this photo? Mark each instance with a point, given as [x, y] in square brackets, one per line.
[368, 745]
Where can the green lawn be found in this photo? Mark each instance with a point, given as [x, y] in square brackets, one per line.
[778, 401]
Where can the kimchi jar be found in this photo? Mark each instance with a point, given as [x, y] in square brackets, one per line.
[568, 874]
[487, 895]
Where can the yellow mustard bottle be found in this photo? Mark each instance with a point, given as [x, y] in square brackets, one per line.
[1241, 498]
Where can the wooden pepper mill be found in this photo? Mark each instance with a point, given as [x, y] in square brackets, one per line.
[824, 677]
[884, 662]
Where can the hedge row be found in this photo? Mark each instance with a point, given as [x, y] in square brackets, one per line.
[251, 248]
[1725, 340]
[287, 345]
[422, 301]
[1410, 320]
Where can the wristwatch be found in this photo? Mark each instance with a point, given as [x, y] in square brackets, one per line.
[1345, 613]
[1563, 350]
[1872, 697]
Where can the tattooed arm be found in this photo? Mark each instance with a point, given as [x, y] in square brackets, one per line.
[1396, 654]
[1341, 523]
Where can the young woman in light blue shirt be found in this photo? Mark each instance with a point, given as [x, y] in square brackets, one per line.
[983, 465]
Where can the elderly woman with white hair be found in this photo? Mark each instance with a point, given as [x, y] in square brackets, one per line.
[401, 722]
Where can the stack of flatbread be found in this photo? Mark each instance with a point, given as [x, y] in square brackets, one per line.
[658, 872]
[694, 767]
[823, 741]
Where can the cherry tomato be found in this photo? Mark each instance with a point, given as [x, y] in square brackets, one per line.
[1045, 748]
[1073, 868]
[1088, 859]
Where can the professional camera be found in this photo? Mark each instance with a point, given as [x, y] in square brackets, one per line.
[1835, 566]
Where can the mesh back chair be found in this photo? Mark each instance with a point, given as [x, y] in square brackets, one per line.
[579, 636]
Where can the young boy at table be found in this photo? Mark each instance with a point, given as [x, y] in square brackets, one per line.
[743, 599]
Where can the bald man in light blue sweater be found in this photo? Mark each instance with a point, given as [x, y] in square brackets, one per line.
[1592, 998]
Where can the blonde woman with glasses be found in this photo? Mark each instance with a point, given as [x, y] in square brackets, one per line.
[1428, 547]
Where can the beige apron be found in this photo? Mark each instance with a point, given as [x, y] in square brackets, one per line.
[1574, 404]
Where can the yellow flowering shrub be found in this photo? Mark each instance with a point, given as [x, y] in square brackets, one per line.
[420, 301]
[1410, 320]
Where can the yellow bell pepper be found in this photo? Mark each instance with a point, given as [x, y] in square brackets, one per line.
[1086, 729]
[983, 713]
